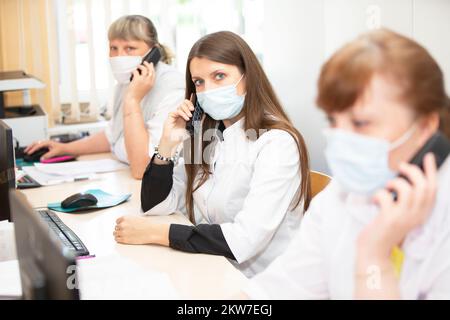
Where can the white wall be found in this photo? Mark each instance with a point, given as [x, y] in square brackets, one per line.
[294, 48]
[300, 34]
[432, 30]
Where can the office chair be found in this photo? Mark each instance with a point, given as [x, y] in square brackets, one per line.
[319, 181]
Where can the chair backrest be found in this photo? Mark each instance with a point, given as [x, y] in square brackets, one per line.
[319, 181]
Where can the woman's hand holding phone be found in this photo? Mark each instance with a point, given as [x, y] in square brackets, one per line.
[143, 82]
[174, 130]
[397, 217]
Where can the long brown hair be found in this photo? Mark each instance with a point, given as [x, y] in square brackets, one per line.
[348, 72]
[262, 109]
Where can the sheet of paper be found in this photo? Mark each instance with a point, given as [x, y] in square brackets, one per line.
[75, 168]
[10, 279]
[47, 179]
[7, 241]
[115, 277]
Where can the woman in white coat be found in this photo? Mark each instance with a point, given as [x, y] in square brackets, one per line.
[246, 191]
[384, 96]
[139, 107]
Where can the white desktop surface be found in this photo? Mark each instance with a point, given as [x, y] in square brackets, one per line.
[194, 276]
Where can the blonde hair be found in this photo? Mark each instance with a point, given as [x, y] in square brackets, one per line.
[136, 27]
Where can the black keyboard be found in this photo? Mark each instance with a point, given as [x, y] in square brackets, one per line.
[67, 237]
[27, 182]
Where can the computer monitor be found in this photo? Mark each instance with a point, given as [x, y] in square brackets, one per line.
[47, 270]
[2, 105]
[7, 174]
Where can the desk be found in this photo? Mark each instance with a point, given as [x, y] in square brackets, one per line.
[194, 276]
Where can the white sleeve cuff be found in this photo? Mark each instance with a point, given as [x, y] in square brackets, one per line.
[233, 241]
[108, 131]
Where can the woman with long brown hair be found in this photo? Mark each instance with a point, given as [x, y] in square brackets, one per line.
[381, 228]
[245, 179]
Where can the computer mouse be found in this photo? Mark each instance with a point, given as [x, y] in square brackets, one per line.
[79, 201]
[35, 156]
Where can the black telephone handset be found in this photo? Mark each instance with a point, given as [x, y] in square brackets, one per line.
[194, 124]
[439, 145]
[152, 57]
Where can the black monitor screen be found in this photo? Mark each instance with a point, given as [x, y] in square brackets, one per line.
[47, 269]
[7, 176]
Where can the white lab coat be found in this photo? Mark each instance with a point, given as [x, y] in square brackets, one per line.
[249, 194]
[165, 97]
[319, 263]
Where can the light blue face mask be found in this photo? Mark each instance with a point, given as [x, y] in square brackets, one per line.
[359, 163]
[222, 103]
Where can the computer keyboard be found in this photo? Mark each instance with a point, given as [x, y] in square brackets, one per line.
[26, 182]
[26, 179]
[67, 237]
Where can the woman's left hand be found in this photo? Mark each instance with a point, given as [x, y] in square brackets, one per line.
[415, 201]
[140, 230]
[133, 230]
[141, 83]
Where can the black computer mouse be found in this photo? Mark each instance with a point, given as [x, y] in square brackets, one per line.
[35, 156]
[79, 201]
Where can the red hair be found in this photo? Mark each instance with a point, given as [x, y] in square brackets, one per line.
[348, 72]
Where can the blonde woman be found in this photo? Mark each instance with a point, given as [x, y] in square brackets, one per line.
[140, 106]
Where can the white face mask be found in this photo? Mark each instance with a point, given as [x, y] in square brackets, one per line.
[222, 103]
[360, 163]
[122, 67]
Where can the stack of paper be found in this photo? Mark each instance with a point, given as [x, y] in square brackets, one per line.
[10, 279]
[46, 179]
[76, 168]
[57, 173]
[7, 241]
[118, 278]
